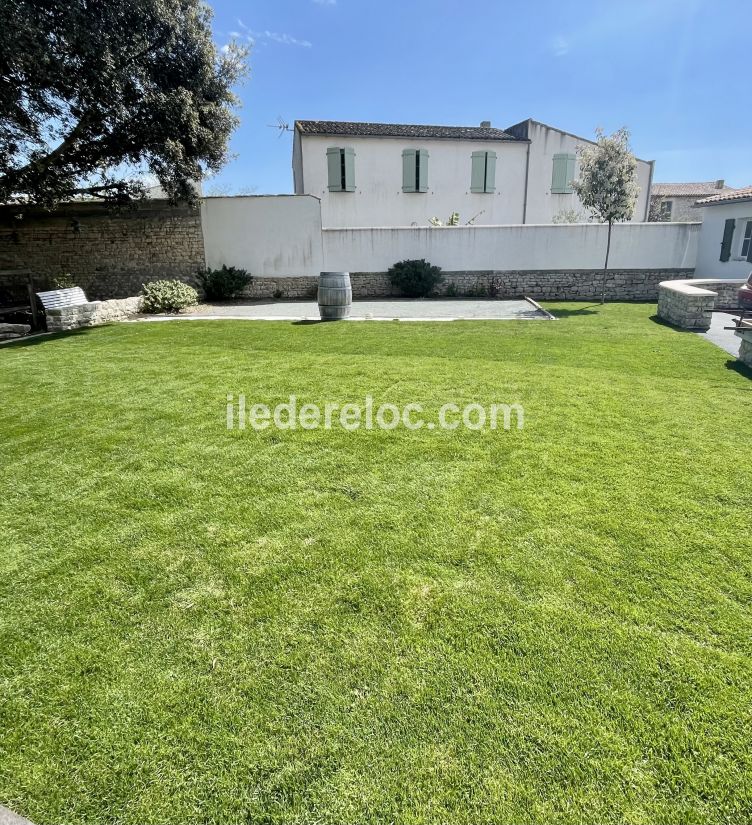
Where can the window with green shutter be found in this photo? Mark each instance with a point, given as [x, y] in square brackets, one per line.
[728, 236]
[341, 168]
[483, 172]
[414, 170]
[563, 174]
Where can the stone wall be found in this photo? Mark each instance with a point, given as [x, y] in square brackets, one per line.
[109, 255]
[689, 304]
[92, 314]
[688, 308]
[745, 349]
[621, 285]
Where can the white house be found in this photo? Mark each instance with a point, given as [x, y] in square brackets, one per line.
[725, 243]
[387, 174]
[678, 201]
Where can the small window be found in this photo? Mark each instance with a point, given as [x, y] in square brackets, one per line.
[666, 208]
[483, 174]
[414, 170]
[746, 240]
[341, 168]
[562, 174]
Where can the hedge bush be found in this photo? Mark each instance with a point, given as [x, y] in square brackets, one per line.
[168, 296]
[225, 283]
[415, 279]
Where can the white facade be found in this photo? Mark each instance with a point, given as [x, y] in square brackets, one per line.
[522, 191]
[378, 199]
[709, 263]
[546, 142]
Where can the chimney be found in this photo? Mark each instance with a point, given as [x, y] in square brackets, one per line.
[719, 183]
[485, 124]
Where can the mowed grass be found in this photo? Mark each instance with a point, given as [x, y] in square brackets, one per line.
[546, 625]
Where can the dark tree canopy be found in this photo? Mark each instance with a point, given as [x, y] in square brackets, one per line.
[95, 92]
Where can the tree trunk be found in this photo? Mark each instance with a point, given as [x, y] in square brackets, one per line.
[605, 266]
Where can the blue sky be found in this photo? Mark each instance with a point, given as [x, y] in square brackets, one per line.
[675, 72]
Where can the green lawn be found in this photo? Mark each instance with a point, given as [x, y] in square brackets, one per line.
[202, 625]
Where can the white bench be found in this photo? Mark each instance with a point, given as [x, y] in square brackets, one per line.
[61, 298]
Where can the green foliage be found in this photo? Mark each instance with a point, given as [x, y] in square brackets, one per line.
[570, 216]
[63, 281]
[94, 93]
[415, 278]
[607, 183]
[168, 296]
[225, 283]
[658, 213]
[452, 291]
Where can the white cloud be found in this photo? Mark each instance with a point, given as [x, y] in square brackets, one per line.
[277, 37]
[560, 46]
[266, 36]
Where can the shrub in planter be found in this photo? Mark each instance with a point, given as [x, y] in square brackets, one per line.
[225, 283]
[168, 296]
[415, 279]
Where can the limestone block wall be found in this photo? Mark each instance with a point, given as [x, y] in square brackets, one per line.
[745, 350]
[688, 304]
[108, 254]
[92, 314]
[586, 285]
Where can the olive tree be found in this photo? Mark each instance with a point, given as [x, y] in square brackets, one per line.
[96, 94]
[607, 184]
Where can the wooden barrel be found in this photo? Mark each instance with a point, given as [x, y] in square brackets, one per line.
[335, 295]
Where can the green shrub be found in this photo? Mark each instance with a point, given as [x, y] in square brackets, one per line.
[225, 283]
[415, 279]
[63, 281]
[168, 296]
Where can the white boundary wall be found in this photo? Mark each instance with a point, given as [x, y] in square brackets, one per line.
[529, 247]
[269, 235]
[277, 236]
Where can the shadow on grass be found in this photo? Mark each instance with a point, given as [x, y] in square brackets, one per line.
[44, 337]
[573, 313]
[739, 367]
[304, 322]
[656, 319]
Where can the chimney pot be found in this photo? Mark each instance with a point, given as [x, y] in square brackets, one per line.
[485, 124]
[719, 183]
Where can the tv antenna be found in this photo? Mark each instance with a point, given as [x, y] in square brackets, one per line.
[282, 125]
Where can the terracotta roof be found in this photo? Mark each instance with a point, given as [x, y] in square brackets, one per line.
[744, 194]
[348, 129]
[696, 190]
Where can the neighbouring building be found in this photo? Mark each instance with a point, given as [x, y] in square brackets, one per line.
[725, 243]
[388, 174]
[678, 201]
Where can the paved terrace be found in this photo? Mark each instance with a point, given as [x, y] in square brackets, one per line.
[375, 310]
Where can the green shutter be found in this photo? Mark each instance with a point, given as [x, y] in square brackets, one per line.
[349, 169]
[563, 174]
[728, 235]
[334, 165]
[490, 171]
[478, 173]
[423, 171]
[408, 170]
[571, 161]
[749, 251]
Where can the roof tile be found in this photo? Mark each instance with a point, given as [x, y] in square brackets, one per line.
[744, 194]
[350, 129]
